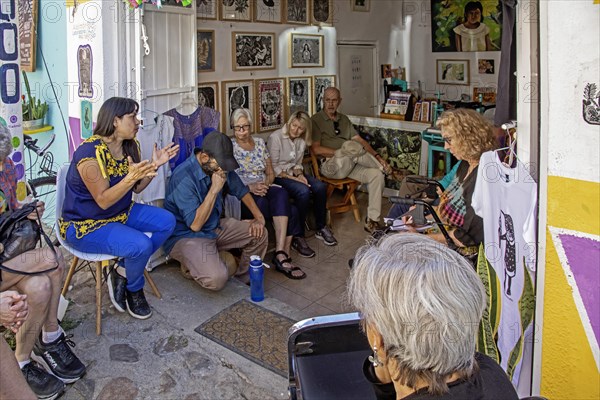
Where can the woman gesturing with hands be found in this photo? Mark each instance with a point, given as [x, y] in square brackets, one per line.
[98, 213]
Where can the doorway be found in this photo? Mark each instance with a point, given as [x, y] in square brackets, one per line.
[358, 76]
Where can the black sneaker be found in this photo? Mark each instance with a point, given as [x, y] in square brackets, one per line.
[58, 359]
[116, 289]
[326, 236]
[299, 244]
[44, 385]
[137, 305]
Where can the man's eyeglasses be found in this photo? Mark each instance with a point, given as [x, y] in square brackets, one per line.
[447, 139]
[336, 127]
[239, 128]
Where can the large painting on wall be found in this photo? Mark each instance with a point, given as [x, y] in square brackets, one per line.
[464, 25]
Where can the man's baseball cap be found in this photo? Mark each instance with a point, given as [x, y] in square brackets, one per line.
[219, 146]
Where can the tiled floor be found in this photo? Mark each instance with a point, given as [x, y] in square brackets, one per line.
[323, 290]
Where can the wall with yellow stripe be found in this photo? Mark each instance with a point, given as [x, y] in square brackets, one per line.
[569, 370]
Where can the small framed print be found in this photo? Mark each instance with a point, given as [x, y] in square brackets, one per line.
[208, 94]
[486, 66]
[236, 94]
[322, 12]
[321, 82]
[425, 111]
[361, 5]
[268, 11]
[206, 9]
[453, 72]
[235, 10]
[300, 94]
[297, 12]
[417, 112]
[270, 106]
[252, 50]
[205, 42]
[306, 50]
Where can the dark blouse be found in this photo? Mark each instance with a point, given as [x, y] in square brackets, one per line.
[489, 382]
[79, 207]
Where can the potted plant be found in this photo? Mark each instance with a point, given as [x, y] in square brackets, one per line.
[34, 110]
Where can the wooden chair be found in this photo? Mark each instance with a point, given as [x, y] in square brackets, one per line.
[349, 201]
[100, 260]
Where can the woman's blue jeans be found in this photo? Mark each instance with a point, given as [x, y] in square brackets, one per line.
[128, 240]
[301, 195]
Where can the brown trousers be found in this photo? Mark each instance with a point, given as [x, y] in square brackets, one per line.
[201, 256]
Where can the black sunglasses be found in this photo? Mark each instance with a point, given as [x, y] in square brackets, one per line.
[336, 127]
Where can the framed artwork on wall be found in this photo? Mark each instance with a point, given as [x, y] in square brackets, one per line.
[236, 94]
[270, 105]
[205, 42]
[321, 82]
[297, 12]
[252, 50]
[268, 11]
[322, 12]
[206, 9]
[208, 94]
[306, 50]
[485, 66]
[361, 5]
[300, 94]
[452, 72]
[465, 25]
[235, 10]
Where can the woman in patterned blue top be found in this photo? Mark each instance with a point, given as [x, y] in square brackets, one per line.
[98, 213]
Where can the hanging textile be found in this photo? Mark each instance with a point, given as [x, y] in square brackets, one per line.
[160, 134]
[189, 130]
[506, 200]
[506, 95]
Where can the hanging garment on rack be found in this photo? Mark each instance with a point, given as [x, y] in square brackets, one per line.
[191, 129]
[506, 200]
[160, 133]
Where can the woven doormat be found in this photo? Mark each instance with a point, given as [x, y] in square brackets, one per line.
[253, 332]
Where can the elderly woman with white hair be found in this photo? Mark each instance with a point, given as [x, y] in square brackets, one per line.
[256, 171]
[421, 305]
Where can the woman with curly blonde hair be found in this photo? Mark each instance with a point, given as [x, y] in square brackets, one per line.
[467, 135]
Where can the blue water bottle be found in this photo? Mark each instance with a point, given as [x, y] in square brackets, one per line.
[257, 290]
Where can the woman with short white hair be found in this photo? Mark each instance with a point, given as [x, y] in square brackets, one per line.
[421, 305]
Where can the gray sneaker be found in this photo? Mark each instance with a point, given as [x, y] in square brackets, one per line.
[326, 236]
[299, 244]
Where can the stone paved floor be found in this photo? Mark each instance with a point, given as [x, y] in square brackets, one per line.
[163, 357]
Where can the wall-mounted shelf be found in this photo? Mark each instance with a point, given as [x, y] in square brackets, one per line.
[44, 128]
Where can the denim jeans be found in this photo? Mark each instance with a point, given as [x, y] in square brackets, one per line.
[128, 240]
[301, 195]
[276, 203]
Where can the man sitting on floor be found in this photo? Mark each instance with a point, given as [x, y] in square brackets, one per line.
[195, 197]
[331, 129]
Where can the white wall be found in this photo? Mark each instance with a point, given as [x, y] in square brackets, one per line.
[573, 144]
[223, 51]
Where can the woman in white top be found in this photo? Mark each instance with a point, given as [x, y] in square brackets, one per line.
[286, 146]
[472, 34]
